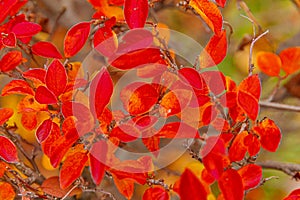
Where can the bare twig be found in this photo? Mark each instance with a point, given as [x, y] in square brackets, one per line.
[248, 12]
[262, 182]
[279, 106]
[291, 169]
[275, 90]
[160, 182]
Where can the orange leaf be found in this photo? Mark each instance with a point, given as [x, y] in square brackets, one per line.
[10, 61]
[8, 150]
[17, 87]
[72, 168]
[215, 51]
[251, 175]
[7, 191]
[269, 63]
[152, 144]
[29, 120]
[44, 96]
[125, 186]
[46, 49]
[138, 97]
[3, 166]
[177, 130]
[157, 193]
[136, 13]
[231, 185]
[209, 13]
[76, 38]
[248, 96]
[97, 157]
[186, 192]
[290, 59]
[125, 133]
[56, 77]
[238, 149]
[26, 29]
[35, 74]
[51, 186]
[269, 133]
[53, 136]
[5, 114]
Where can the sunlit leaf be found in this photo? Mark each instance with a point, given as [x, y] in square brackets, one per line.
[251, 175]
[43, 130]
[10, 61]
[56, 77]
[46, 49]
[215, 51]
[125, 133]
[125, 186]
[231, 185]
[35, 74]
[29, 120]
[152, 141]
[101, 89]
[76, 38]
[290, 59]
[221, 3]
[136, 13]
[7, 191]
[248, 96]
[72, 168]
[17, 87]
[157, 193]
[210, 13]
[26, 29]
[5, 114]
[177, 130]
[10, 40]
[44, 96]
[5, 7]
[8, 150]
[238, 149]
[269, 134]
[269, 63]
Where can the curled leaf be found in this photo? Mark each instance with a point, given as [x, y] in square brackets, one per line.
[8, 150]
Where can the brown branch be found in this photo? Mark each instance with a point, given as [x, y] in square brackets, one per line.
[279, 106]
[160, 182]
[248, 12]
[291, 169]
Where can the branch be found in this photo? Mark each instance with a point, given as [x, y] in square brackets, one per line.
[279, 106]
[291, 169]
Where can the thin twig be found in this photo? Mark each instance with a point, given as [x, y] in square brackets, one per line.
[275, 90]
[160, 182]
[248, 12]
[262, 182]
[291, 169]
[279, 106]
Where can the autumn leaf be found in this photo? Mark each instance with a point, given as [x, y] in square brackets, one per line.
[10, 40]
[43, 130]
[231, 185]
[8, 150]
[76, 38]
[101, 90]
[136, 13]
[185, 191]
[248, 96]
[152, 141]
[29, 120]
[251, 175]
[72, 168]
[157, 193]
[56, 77]
[44, 96]
[177, 130]
[10, 61]
[290, 59]
[221, 3]
[35, 74]
[210, 13]
[5, 114]
[238, 149]
[26, 29]
[294, 195]
[46, 49]
[215, 51]
[269, 63]
[17, 87]
[7, 191]
[5, 7]
[125, 133]
[125, 186]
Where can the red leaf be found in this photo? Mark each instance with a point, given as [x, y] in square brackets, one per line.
[215, 80]
[294, 195]
[76, 38]
[221, 3]
[138, 98]
[44, 96]
[215, 51]
[72, 168]
[269, 63]
[46, 49]
[101, 89]
[5, 7]
[290, 59]
[177, 130]
[125, 133]
[269, 133]
[151, 142]
[125, 186]
[97, 156]
[8, 150]
[186, 192]
[251, 175]
[35, 74]
[157, 193]
[248, 96]
[253, 144]
[231, 185]
[137, 58]
[56, 77]
[10, 61]
[6, 191]
[52, 137]
[238, 149]
[10, 40]
[5, 114]
[17, 87]
[26, 29]
[192, 77]
[43, 130]
[136, 13]
[209, 13]
[29, 120]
